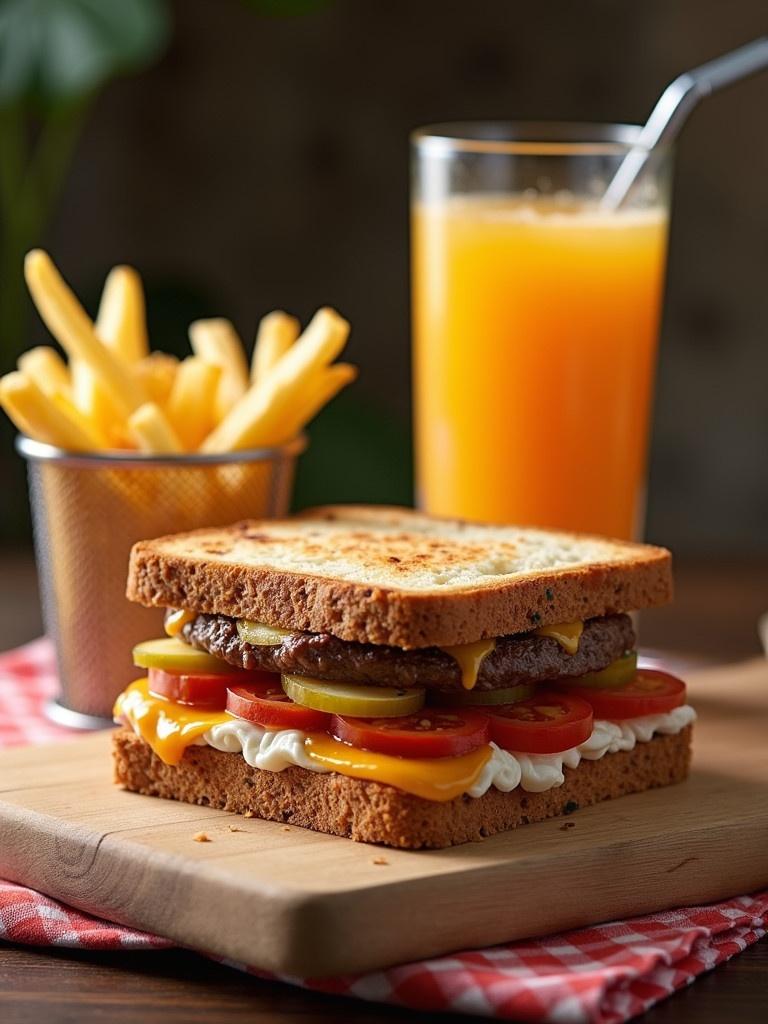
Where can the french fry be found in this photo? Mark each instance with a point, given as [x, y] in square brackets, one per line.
[98, 438]
[317, 395]
[277, 332]
[191, 403]
[157, 372]
[217, 342]
[46, 368]
[264, 413]
[70, 325]
[122, 320]
[152, 431]
[37, 416]
[93, 402]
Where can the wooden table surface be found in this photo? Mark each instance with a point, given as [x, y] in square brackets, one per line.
[714, 617]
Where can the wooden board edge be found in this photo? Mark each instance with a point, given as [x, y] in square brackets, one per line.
[398, 926]
[78, 865]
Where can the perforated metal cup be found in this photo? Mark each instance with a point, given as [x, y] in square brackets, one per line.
[88, 510]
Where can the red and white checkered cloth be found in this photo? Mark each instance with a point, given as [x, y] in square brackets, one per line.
[600, 975]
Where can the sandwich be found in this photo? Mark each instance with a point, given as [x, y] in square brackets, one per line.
[377, 674]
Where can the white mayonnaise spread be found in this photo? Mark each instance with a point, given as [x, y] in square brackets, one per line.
[262, 748]
[538, 772]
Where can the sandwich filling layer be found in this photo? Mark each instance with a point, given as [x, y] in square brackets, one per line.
[169, 728]
[521, 658]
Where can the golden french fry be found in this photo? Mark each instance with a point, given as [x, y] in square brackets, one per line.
[191, 403]
[93, 402]
[91, 429]
[70, 325]
[157, 372]
[152, 432]
[216, 341]
[321, 391]
[122, 320]
[264, 413]
[277, 332]
[46, 368]
[38, 417]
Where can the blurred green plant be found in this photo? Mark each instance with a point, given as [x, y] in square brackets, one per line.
[55, 56]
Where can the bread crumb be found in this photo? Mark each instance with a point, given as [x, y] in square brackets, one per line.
[286, 828]
[202, 837]
[234, 828]
[567, 825]
[249, 814]
[379, 860]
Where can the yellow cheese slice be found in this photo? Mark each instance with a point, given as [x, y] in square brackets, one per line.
[437, 779]
[470, 657]
[567, 634]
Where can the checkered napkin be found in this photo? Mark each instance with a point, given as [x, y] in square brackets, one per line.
[601, 975]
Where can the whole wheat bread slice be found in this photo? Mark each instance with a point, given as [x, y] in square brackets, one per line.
[388, 575]
[373, 812]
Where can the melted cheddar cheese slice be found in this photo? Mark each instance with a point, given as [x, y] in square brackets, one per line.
[567, 634]
[436, 779]
[169, 728]
[470, 658]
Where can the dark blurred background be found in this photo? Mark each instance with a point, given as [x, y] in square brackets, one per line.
[253, 156]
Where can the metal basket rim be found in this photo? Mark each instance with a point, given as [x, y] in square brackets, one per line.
[38, 451]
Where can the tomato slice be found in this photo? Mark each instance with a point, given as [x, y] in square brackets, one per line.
[546, 724]
[202, 689]
[650, 693]
[267, 703]
[428, 733]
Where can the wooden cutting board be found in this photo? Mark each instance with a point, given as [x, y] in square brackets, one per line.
[296, 902]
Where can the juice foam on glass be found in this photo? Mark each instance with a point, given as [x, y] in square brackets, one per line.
[536, 320]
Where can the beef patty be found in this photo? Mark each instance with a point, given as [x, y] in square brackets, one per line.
[521, 658]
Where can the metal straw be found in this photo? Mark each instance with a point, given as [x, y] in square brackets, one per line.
[676, 103]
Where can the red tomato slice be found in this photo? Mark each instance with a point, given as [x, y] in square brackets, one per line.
[267, 703]
[447, 732]
[650, 693]
[202, 690]
[545, 724]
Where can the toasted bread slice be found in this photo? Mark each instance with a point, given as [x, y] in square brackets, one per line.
[372, 812]
[387, 575]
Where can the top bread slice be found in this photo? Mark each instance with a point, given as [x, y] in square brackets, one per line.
[387, 575]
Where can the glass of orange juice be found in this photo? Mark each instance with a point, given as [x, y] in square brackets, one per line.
[535, 320]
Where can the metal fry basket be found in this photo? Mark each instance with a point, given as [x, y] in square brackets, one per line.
[88, 510]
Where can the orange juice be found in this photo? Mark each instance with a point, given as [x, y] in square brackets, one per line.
[535, 333]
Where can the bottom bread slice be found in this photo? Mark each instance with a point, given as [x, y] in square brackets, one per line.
[373, 812]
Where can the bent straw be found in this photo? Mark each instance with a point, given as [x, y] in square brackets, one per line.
[674, 106]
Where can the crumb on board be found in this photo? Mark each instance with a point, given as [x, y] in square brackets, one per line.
[379, 860]
[234, 828]
[202, 837]
[566, 825]
[249, 814]
[286, 828]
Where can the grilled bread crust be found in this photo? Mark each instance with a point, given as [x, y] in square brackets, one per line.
[383, 575]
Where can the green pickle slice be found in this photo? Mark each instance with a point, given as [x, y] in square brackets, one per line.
[173, 655]
[353, 700]
[482, 698]
[619, 672]
[260, 634]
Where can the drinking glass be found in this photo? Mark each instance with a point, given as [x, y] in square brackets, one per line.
[535, 323]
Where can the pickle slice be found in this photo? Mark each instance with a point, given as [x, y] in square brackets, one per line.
[353, 700]
[260, 634]
[621, 671]
[174, 655]
[477, 698]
